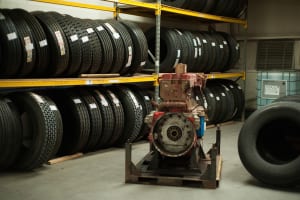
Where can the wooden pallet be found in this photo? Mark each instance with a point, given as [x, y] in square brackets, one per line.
[141, 173]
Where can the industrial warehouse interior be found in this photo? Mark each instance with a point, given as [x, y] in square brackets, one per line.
[149, 99]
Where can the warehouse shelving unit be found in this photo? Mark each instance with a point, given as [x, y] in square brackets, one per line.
[132, 7]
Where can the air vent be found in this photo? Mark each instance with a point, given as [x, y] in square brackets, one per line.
[275, 55]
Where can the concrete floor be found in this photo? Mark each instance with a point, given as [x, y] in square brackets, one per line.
[100, 176]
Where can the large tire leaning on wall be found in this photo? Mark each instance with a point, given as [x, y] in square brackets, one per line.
[268, 144]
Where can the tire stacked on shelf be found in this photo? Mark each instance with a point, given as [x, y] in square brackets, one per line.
[36, 127]
[49, 44]
[269, 141]
[201, 51]
[230, 8]
[222, 99]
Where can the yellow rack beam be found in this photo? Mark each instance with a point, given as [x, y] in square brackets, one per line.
[77, 4]
[55, 82]
[226, 75]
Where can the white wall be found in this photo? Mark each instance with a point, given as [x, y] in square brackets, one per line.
[267, 19]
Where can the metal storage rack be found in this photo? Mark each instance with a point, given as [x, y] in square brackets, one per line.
[135, 8]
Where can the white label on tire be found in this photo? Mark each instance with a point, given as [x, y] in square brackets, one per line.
[221, 46]
[115, 33]
[100, 28]
[43, 43]
[178, 53]
[93, 106]
[12, 36]
[147, 98]
[199, 41]
[197, 98]
[60, 42]
[90, 30]
[239, 87]
[200, 52]
[223, 94]
[38, 98]
[74, 38]
[77, 101]
[225, 42]
[231, 86]
[53, 108]
[237, 47]
[115, 99]
[213, 44]
[85, 39]
[196, 53]
[211, 94]
[28, 48]
[204, 41]
[129, 56]
[103, 100]
[195, 42]
[179, 32]
[218, 98]
[205, 105]
[143, 63]
[2, 17]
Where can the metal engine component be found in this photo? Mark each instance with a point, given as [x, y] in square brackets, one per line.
[174, 135]
[175, 123]
[176, 155]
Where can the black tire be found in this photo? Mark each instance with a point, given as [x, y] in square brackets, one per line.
[226, 51]
[76, 121]
[106, 45]
[193, 53]
[108, 119]
[140, 47]
[212, 105]
[268, 144]
[74, 44]
[234, 51]
[127, 43]
[176, 3]
[133, 114]
[220, 53]
[209, 6]
[118, 46]
[211, 51]
[10, 134]
[10, 47]
[27, 44]
[39, 130]
[59, 49]
[59, 125]
[95, 119]
[96, 48]
[203, 53]
[40, 42]
[145, 100]
[170, 51]
[118, 112]
[196, 5]
[86, 47]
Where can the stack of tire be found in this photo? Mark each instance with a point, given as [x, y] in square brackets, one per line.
[269, 143]
[201, 51]
[229, 8]
[49, 44]
[36, 126]
[222, 99]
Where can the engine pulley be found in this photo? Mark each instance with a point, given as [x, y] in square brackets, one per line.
[174, 134]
